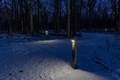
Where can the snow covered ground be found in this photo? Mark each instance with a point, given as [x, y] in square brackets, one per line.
[48, 58]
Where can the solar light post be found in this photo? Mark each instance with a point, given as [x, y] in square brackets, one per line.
[46, 33]
[74, 55]
[106, 32]
[107, 40]
[105, 29]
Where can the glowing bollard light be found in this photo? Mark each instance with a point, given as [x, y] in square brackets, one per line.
[105, 29]
[46, 33]
[74, 55]
[107, 40]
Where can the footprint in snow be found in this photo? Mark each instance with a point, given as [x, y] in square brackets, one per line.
[10, 74]
[21, 71]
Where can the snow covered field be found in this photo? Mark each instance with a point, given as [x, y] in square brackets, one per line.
[47, 58]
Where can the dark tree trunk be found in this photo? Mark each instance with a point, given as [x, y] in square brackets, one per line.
[31, 18]
[91, 5]
[119, 18]
[21, 15]
[57, 15]
[69, 20]
[73, 18]
[114, 8]
[38, 15]
[79, 17]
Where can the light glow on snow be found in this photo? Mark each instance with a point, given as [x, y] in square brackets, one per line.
[49, 41]
[85, 75]
[51, 59]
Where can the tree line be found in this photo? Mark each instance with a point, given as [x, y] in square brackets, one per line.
[33, 16]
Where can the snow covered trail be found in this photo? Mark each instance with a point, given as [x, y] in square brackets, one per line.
[51, 60]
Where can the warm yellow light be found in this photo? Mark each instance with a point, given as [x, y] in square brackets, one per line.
[73, 41]
[46, 33]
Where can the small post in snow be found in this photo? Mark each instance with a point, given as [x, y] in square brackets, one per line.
[74, 55]
[105, 29]
[46, 33]
[107, 40]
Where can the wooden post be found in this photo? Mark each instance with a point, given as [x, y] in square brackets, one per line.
[74, 55]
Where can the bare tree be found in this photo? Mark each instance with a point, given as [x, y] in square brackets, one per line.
[114, 9]
[38, 6]
[80, 13]
[26, 15]
[31, 18]
[69, 20]
[119, 17]
[91, 5]
[57, 9]
[73, 17]
[8, 16]
[8, 19]
[15, 15]
[21, 15]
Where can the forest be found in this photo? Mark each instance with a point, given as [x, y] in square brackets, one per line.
[70, 16]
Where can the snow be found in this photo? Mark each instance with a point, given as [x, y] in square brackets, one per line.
[48, 58]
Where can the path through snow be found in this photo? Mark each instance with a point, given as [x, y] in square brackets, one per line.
[51, 59]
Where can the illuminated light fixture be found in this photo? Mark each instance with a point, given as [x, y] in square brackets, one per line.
[105, 29]
[46, 33]
[74, 54]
